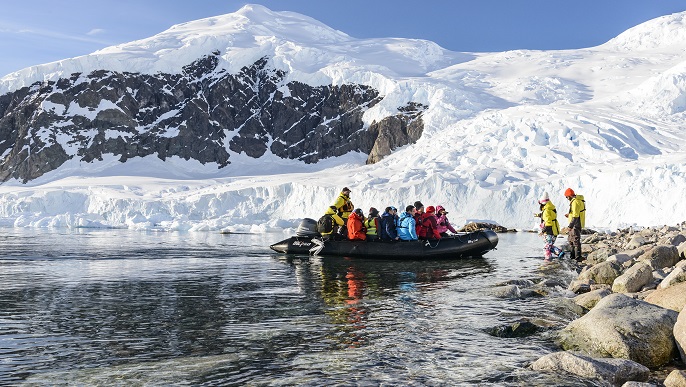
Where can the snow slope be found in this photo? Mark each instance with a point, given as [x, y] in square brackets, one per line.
[501, 128]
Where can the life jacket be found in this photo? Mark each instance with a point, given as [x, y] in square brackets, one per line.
[577, 209]
[420, 229]
[356, 228]
[344, 206]
[549, 218]
[370, 224]
[429, 227]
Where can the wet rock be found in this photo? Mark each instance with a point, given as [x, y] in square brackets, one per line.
[638, 384]
[507, 291]
[661, 256]
[520, 328]
[580, 286]
[623, 327]
[676, 378]
[614, 371]
[590, 299]
[635, 278]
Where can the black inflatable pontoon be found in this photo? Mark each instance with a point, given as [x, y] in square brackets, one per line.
[307, 241]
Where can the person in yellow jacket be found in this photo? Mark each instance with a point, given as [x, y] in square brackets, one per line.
[344, 206]
[577, 221]
[329, 223]
[372, 225]
[549, 227]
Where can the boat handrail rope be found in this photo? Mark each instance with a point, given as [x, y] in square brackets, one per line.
[428, 243]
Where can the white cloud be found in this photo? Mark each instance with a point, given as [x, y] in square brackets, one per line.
[95, 31]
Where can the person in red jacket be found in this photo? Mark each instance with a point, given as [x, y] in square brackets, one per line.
[356, 229]
[430, 224]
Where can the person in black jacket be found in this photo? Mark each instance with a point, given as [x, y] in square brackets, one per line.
[388, 224]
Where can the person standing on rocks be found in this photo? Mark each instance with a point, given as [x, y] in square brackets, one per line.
[344, 206]
[577, 221]
[549, 227]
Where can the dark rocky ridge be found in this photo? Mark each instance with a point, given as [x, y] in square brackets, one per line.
[198, 115]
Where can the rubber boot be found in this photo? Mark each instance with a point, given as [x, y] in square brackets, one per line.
[577, 254]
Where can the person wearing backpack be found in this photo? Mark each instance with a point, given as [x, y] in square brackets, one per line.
[372, 225]
[329, 224]
[577, 221]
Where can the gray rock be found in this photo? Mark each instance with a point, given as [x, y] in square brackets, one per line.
[681, 249]
[623, 327]
[638, 384]
[602, 273]
[615, 371]
[636, 242]
[590, 299]
[680, 335]
[635, 278]
[676, 276]
[521, 328]
[661, 256]
[673, 297]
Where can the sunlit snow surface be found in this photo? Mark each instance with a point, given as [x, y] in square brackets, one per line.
[501, 128]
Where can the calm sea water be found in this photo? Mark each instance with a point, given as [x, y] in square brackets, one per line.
[122, 307]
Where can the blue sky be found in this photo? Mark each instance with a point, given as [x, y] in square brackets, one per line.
[40, 31]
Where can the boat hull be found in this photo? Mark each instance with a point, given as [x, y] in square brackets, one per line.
[472, 244]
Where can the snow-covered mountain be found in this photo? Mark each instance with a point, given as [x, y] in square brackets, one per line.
[186, 129]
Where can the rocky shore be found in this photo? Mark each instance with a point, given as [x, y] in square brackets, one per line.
[631, 327]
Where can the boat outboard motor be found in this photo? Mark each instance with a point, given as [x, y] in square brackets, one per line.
[307, 228]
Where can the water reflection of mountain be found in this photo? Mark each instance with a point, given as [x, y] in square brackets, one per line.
[355, 291]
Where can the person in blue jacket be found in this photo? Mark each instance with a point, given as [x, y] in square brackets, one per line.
[388, 224]
[406, 225]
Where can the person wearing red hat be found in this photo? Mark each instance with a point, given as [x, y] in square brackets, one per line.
[429, 221]
[577, 220]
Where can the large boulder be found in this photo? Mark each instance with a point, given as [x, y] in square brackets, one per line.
[673, 297]
[661, 256]
[602, 273]
[635, 278]
[636, 242]
[615, 371]
[622, 327]
[680, 335]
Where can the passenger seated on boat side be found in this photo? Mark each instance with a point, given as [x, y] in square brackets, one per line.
[372, 225]
[443, 223]
[429, 229]
[329, 224]
[418, 218]
[344, 207]
[388, 224]
[356, 230]
[406, 224]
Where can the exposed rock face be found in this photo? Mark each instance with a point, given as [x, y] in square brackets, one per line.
[200, 114]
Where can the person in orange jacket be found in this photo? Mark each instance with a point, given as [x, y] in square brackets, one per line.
[356, 229]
